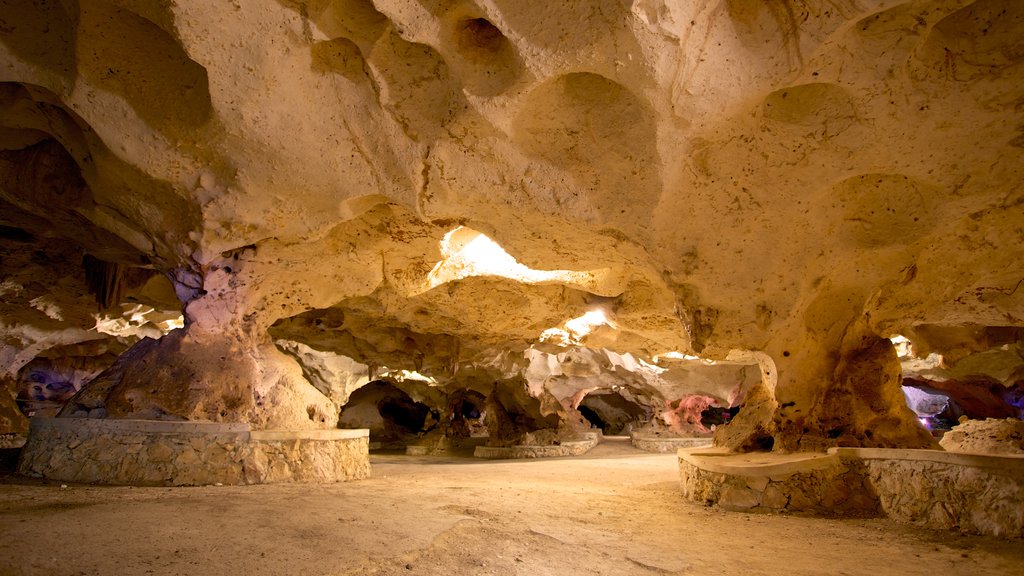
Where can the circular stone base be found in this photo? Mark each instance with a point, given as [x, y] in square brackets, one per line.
[978, 494]
[572, 448]
[666, 444]
[166, 453]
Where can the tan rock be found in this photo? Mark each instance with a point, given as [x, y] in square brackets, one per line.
[789, 187]
[989, 436]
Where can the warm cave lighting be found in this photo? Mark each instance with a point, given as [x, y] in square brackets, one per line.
[909, 359]
[470, 253]
[676, 355]
[902, 344]
[403, 375]
[585, 324]
[140, 321]
[575, 330]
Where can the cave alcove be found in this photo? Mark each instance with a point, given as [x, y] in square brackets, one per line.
[393, 418]
[612, 413]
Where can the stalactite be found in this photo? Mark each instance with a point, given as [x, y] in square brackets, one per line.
[110, 281]
[105, 281]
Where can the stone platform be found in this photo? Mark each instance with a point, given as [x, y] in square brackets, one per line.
[446, 447]
[169, 453]
[666, 444]
[977, 494]
[568, 448]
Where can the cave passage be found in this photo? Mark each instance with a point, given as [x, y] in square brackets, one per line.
[466, 415]
[612, 413]
[718, 415]
[391, 415]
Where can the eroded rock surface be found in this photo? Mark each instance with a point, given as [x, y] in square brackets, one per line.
[529, 202]
[988, 436]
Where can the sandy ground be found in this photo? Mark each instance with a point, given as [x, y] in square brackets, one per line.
[615, 511]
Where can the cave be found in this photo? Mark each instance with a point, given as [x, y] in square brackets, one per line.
[612, 413]
[466, 415]
[428, 287]
[714, 416]
[391, 415]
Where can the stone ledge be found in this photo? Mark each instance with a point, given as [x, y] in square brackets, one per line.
[332, 434]
[972, 493]
[146, 426]
[1000, 461]
[753, 464]
[666, 444]
[446, 446]
[977, 494]
[169, 453]
[572, 448]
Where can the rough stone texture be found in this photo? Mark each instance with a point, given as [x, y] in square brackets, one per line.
[790, 182]
[977, 367]
[979, 497]
[653, 442]
[864, 407]
[335, 376]
[147, 383]
[565, 448]
[798, 483]
[165, 453]
[56, 336]
[986, 437]
[976, 494]
[12, 421]
[12, 440]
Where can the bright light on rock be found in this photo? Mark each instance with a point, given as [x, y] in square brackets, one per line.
[470, 253]
[556, 336]
[674, 355]
[575, 330]
[925, 404]
[585, 324]
[45, 305]
[139, 321]
[403, 375]
[913, 365]
[904, 349]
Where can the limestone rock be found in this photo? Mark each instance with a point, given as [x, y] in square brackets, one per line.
[988, 436]
[485, 192]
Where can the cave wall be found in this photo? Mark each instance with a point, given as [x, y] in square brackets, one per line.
[791, 183]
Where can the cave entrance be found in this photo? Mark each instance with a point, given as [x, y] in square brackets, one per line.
[391, 415]
[611, 412]
[953, 372]
[714, 416]
[466, 415]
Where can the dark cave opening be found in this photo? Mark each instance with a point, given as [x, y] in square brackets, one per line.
[612, 413]
[391, 415]
[466, 414]
[718, 415]
[593, 417]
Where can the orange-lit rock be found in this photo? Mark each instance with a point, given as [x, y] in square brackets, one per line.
[730, 179]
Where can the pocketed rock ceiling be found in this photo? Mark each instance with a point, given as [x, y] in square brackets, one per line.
[778, 184]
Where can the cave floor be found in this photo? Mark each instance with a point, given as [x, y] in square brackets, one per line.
[614, 511]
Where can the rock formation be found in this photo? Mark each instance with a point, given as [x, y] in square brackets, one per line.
[526, 203]
[986, 437]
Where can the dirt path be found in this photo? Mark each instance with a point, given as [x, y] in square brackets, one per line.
[616, 511]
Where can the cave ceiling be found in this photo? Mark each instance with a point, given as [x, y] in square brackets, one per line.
[775, 181]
